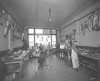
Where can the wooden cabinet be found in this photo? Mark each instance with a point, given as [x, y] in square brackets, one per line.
[90, 58]
[88, 62]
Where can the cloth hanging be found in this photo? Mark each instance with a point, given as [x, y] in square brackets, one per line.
[75, 61]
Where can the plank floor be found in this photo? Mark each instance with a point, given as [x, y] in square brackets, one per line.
[54, 69]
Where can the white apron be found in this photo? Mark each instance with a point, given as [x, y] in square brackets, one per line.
[75, 61]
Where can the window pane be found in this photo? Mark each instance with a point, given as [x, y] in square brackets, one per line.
[54, 38]
[53, 31]
[54, 44]
[38, 39]
[43, 39]
[54, 41]
[46, 31]
[39, 31]
[31, 40]
[30, 31]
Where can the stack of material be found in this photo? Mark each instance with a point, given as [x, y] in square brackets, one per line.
[14, 63]
[15, 57]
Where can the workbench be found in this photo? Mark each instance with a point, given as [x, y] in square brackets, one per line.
[90, 60]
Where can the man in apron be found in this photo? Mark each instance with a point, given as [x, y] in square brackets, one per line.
[74, 58]
[68, 44]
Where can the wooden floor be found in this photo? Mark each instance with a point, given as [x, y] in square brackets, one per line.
[54, 69]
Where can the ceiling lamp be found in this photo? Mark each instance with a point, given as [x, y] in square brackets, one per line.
[3, 11]
[49, 17]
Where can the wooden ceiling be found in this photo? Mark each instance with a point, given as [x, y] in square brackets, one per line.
[36, 12]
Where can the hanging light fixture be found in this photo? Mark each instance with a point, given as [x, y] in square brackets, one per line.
[49, 17]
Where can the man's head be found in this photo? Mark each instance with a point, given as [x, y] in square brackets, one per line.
[67, 36]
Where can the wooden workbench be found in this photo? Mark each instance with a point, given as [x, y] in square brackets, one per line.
[92, 62]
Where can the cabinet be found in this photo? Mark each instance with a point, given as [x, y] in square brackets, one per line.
[89, 57]
[88, 62]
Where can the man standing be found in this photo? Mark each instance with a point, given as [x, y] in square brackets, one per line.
[74, 57]
[67, 46]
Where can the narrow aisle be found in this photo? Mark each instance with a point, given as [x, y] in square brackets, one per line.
[59, 71]
[53, 70]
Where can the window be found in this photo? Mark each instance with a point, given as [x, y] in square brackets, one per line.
[53, 44]
[42, 36]
[54, 41]
[43, 39]
[31, 31]
[54, 38]
[46, 31]
[31, 40]
[39, 31]
[53, 31]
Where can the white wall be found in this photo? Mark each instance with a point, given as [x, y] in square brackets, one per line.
[4, 41]
[90, 38]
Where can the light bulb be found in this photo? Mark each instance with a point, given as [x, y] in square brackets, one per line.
[3, 11]
[49, 19]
